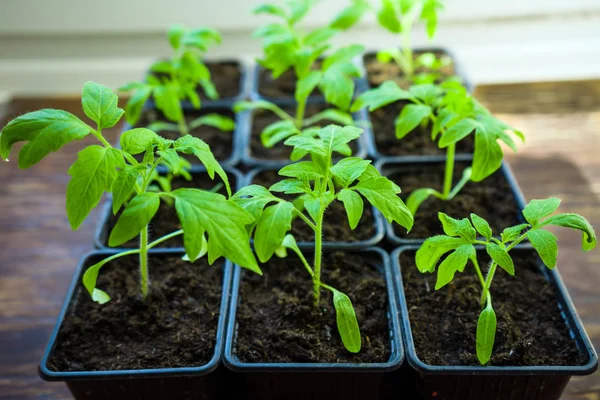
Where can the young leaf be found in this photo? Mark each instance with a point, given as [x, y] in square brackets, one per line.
[332, 114]
[457, 132]
[387, 17]
[274, 223]
[456, 261]
[308, 144]
[500, 257]
[538, 209]
[215, 120]
[486, 334]
[544, 243]
[346, 322]
[272, 9]
[261, 105]
[175, 33]
[253, 198]
[387, 93]
[337, 85]
[46, 131]
[417, 198]
[457, 227]
[136, 141]
[353, 204]
[91, 175]
[487, 157]
[133, 109]
[433, 248]
[89, 282]
[482, 226]
[100, 105]
[349, 16]
[303, 170]
[410, 117]
[123, 187]
[379, 194]
[512, 233]
[278, 131]
[306, 85]
[575, 221]
[335, 136]
[348, 169]
[290, 186]
[138, 213]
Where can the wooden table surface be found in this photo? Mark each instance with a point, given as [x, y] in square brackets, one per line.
[38, 250]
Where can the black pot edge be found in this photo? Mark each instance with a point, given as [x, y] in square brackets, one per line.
[370, 137]
[51, 376]
[249, 160]
[568, 311]
[101, 233]
[373, 241]
[505, 169]
[396, 360]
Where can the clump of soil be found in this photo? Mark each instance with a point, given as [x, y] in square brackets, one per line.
[491, 199]
[531, 330]
[335, 225]
[278, 322]
[226, 77]
[174, 327]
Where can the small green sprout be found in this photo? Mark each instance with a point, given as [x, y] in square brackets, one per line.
[318, 183]
[461, 236]
[103, 169]
[452, 114]
[177, 79]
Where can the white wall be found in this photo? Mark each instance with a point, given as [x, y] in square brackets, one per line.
[51, 46]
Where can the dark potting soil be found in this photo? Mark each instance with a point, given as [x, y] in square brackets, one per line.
[174, 327]
[282, 87]
[491, 199]
[417, 142]
[335, 225]
[378, 72]
[166, 221]
[226, 78]
[220, 143]
[261, 119]
[278, 322]
[530, 331]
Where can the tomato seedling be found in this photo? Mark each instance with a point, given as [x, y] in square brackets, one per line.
[318, 183]
[461, 236]
[103, 169]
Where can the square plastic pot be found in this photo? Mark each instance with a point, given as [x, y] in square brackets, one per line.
[103, 228]
[387, 167]
[202, 382]
[306, 381]
[492, 382]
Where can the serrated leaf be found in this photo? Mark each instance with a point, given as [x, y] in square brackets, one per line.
[457, 132]
[45, 131]
[215, 120]
[433, 249]
[410, 117]
[379, 194]
[274, 223]
[387, 17]
[538, 209]
[308, 144]
[346, 322]
[337, 86]
[290, 186]
[171, 159]
[457, 227]
[501, 257]
[575, 221]
[486, 334]
[456, 261]
[137, 215]
[303, 170]
[225, 222]
[512, 233]
[347, 170]
[482, 226]
[123, 187]
[137, 140]
[487, 157]
[353, 204]
[335, 136]
[91, 175]
[306, 85]
[387, 93]
[544, 243]
[100, 104]
[253, 199]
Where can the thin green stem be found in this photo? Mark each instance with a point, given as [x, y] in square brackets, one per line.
[99, 136]
[516, 242]
[144, 261]
[183, 129]
[317, 261]
[300, 114]
[488, 281]
[165, 238]
[305, 219]
[330, 288]
[449, 172]
[478, 270]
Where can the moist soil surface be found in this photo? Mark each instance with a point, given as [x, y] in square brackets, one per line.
[220, 143]
[378, 72]
[335, 224]
[417, 142]
[166, 221]
[174, 327]
[261, 119]
[530, 330]
[491, 199]
[226, 77]
[282, 87]
[278, 322]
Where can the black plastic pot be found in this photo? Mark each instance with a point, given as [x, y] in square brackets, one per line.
[305, 381]
[246, 135]
[378, 222]
[202, 382]
[102, 229]
[492, 382]
[387, 167]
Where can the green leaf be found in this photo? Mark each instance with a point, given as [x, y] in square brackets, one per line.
[137, 140]
[319, 36]
[175, 33]
[290, 186]
[387, 93]
[225, 222]
[274, 223]
[100, 105]
[123, 187]
[349, 16]
[482, 226]
[46, 131]
[457, 132]
[253, 199]
[136, 102]
[433, 249]
[171, 159]
[276, 132]
[417, 198]
[486, 334]
[163, 66]
[166, 97]
[538, 209]
[342, 58]
[89, 282]
[487, 157]
[575, 221]
[429, 15]
[457, 227]
[203, 251]
[347, 170]
[137, 215]
[387, 17]
[544, 243]
[346, 322]
[298, 9]
[91, 175]
[308, 144]
[303, 170]
[512, 233]
[379, 193]
[353, 204]
[215, 120]
[410, 117]
[335, 136]
[306, 85]
[456, 261]
[501, 257]
[261, 105]
[271, 9]
[337, 87]
[337, 116]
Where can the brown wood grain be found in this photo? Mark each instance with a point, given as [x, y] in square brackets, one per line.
[39, 251]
